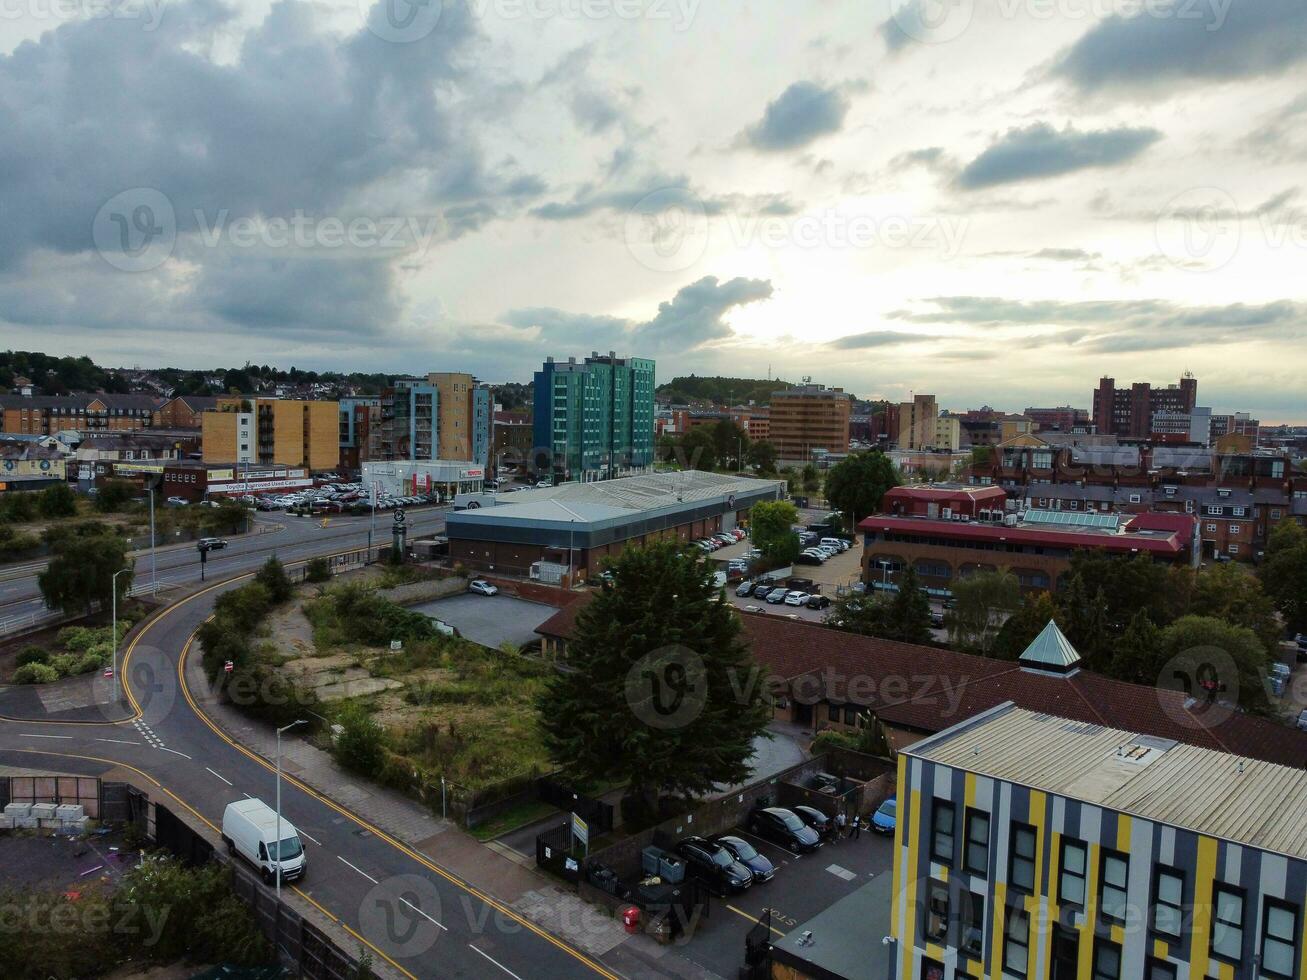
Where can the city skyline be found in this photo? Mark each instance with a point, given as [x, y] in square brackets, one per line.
[869, 197]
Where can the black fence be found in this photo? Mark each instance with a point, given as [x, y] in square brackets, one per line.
[558, 853]
[597, 814]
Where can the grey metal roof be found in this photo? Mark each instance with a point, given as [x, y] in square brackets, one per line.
[635, 493]
[1250, 802]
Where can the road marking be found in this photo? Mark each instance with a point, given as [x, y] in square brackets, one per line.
[223, 778]
[839, 872]
[359, 870]
[247, 796]
[118, 741]
[98, 867]
[752, 918]
[494, 961]
[302, 833]
[34, 735]
[173, 751]
[424, 915]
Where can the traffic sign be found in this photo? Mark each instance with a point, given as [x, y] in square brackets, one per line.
[108, 672]
[229, 666]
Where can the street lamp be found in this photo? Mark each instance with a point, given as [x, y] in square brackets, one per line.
[154, 580]
[113, 590]
[287, 728]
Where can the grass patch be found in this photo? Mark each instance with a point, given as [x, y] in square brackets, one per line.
[514, 817]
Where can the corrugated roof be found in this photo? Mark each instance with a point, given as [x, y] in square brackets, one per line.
[1247, 801]
[634, 493]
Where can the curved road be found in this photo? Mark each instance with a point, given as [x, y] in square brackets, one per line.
[421, 918]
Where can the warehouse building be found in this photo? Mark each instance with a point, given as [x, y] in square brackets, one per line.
[569, 529]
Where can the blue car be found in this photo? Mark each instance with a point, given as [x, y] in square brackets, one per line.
[885, 817]
[747, 855]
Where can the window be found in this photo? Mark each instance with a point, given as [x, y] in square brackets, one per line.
[1211, 528]
[1227, 923]
[1107, 960]
[973, 924]
[1233, 549]
[1016, 941]
[1156, 969]
[941, 836]
[1112, 888]
[935, 925]
[1021, 862]
[977, 852]
[833, 712]
[1168, 903]
[1279, 938]
[1071, 872]
[1276, 513]
[1234, 528]
[1134, 498]
[1238, 512]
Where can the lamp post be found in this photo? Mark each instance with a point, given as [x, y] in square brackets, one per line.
[113, 598]
[287, 728]
[154, 580]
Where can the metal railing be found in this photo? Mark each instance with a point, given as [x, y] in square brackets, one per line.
[27, 621]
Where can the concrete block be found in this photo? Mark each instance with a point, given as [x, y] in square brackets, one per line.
[6, 823]
[42, 811]
[70, 811]
[77, 826]
[18, 809]
[47, 824]
[24, 823]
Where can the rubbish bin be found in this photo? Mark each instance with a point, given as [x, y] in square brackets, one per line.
[631, 919]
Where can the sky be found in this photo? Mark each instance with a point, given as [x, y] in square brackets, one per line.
[996, 201]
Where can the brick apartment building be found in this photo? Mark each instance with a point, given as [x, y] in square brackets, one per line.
[809, 419]
[1062, 419]
[46, 415]
[186, 411]
[948, 531]
[1129, 411]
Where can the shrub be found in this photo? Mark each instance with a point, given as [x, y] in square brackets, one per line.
[36, 674]
[63, 664]
[272, 576]
[58, 501]
[360, 746]
[318, 570]
[32, 655]
[89, 663]
[77, 639]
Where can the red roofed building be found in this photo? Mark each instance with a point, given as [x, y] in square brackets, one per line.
[826, 678]
[947, 532]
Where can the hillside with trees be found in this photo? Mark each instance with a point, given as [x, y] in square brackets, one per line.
[719, 391]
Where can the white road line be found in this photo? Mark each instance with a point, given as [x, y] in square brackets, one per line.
[359, 870]
[98, 867]
[301, 832]
[223, 778]
[118, 741]
[173, 751]
[247, 796]
[34, 735]
[495, 961]
[423, 914]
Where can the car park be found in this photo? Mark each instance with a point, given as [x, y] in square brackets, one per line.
[818, 601]
[714, 865]
[884, 820]
[783, 827]
[747, 855]
[481, 587]
[796, 598]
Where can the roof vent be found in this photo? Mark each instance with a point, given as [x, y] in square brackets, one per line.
[1051, 652]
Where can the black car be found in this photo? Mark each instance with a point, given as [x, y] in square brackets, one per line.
[761, 591]
[747, 855]
[818, 601]
[782, 827]
[815, 819]
[714, 865]
[807, 559]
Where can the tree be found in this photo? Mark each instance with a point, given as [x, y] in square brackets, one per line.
[80, 572]
[811, 478]
[856, 485]
[1284, 573]
[662, 692]
[698, 450]
[1137, 657]
[1084, 620]
[1231, 658]
[762, 456]
[866, 615]
[1128, 585]
[771, 526]
[272, 576]
[909, 610]
[984, 602]
[113, 496]
[58, 501]
[730, 443]
[1037, 609]
[1231, 593]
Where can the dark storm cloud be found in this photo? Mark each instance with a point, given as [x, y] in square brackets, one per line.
[802, 114]
[1039, 151]
[1144, 55]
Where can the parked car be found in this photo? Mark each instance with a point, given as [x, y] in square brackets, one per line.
[747, 855]
[796, 598]
[481, 587]
[885, 818]
[177, 501]
[936, 619]
[714, 865]
[762, 591]
[782, 826]
[815, 819]
[776, 596]
[807, 559]
[744, 589]
[249, 829]
[724, 538]
[213, 544]
[818, 601]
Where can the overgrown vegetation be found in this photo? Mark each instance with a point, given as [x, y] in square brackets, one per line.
[161, 912]
[82, 649]
[81, 571]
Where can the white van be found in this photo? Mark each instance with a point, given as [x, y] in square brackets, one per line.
[839, 544]
[249, 829]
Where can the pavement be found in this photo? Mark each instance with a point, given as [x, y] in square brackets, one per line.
[490, 620]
